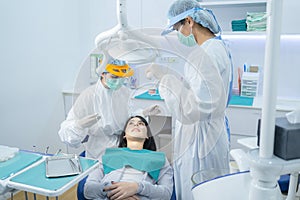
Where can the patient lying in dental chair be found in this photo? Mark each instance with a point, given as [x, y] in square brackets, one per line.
[134, 170]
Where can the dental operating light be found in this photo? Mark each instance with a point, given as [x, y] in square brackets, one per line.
[124, 42]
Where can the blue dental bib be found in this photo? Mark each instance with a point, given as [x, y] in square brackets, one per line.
[143, 160]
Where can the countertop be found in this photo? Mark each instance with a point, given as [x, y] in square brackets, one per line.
[283, 104]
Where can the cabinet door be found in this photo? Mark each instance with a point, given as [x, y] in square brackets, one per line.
[243, 121]
[243, 124]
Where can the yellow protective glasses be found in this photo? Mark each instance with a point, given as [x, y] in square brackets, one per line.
[120, 71]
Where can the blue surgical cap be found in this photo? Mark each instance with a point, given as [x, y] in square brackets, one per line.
[180, 9]
[117, 62]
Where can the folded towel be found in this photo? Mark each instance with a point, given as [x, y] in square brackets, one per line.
[256, 17]
[256, 21]
[240, 21]
[239, 25]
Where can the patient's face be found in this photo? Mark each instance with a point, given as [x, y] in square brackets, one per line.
[136, 128]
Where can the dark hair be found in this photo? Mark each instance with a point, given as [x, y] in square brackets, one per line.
[149, 142]
[182, 21]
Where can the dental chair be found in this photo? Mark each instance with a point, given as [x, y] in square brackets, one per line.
[80, 186]
[288, 186]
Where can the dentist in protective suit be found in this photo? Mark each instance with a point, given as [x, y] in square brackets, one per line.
[198, 103]
[99, 114]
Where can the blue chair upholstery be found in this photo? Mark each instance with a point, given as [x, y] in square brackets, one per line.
[173, 197]
[80, 186]
[284, 181]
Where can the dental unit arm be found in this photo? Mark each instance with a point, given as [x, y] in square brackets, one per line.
[124, 42]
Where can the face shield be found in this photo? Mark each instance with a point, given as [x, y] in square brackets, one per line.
[118, 71]
[172, 21]
[202, 16]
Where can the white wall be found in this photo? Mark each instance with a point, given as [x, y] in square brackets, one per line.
[40, 52]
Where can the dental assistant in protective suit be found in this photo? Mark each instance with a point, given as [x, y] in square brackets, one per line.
[198, 103]
[97, 118]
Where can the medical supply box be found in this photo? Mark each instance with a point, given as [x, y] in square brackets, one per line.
[249, 84]
[287, 139]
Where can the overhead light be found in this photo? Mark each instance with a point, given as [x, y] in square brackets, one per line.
[125, 43]
[132, 51]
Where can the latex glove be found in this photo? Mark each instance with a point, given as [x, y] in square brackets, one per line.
[121, 190]
[152, 110]
[88, 121]
[156, 71]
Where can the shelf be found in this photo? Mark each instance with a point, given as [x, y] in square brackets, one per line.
[256, 35]
[70, 92]
[227, 11]
[249, 142]
[244, 35]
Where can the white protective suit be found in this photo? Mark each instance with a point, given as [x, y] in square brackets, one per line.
[198, 106]
[113, 108]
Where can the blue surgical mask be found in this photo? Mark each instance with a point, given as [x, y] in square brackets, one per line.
[186, 40]
[114, 83]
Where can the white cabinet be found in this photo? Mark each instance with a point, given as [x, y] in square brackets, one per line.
[161, 129]
[243, 123]
[226, 11]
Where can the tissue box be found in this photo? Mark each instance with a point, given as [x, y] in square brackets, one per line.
[287, 139]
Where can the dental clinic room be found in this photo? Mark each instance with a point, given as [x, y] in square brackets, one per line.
[148, 99]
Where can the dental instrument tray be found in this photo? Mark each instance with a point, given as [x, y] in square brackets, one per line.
[62, 165]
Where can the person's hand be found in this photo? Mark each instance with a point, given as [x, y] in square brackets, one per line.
[88, 121]
[152, 110]
[121, 190]
[156, 71]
